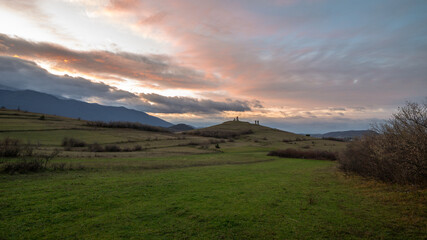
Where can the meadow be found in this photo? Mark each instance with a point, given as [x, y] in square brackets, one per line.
[212, 183]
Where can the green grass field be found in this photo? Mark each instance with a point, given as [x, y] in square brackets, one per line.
[182, 187]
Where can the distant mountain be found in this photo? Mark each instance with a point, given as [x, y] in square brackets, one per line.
[181, 127]
[44, 103]
[344, 134]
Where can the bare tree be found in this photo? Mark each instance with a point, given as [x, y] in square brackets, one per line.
[398, 153]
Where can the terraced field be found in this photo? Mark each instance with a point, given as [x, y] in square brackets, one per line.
[187, 186]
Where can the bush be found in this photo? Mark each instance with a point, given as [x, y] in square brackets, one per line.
[95, 147]
[397, 154]
[29, 163]
[69, 143]
[10, 147]
[137, 148]
[313, 154]
[112, 148]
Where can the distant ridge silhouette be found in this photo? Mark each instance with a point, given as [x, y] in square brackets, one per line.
[33, 101]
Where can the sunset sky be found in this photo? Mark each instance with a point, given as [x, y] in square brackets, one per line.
[305, 66]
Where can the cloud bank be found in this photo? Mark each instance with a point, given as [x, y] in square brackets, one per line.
[22, 74]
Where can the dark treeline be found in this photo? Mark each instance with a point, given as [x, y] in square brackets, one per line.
[132, 125]
[306, 154]
[219, 134]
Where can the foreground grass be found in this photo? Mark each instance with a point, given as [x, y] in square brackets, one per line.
[277, 199]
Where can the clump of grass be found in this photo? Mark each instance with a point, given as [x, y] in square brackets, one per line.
[132, 125]
[311, 154]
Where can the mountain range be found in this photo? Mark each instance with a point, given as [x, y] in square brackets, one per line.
[28, 100]
[344, 134]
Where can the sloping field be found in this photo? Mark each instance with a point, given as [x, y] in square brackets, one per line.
[185, 186]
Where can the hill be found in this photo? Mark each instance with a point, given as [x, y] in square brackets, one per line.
[48, 104]
[180, 127]
[238, 128]
[344, 134]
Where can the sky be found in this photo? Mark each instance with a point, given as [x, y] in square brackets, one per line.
[306, 66]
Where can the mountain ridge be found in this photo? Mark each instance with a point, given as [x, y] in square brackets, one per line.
[34, 101]
[344, 134]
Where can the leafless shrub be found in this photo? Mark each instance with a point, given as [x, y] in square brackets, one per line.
[29, 163]
[112, 148]
[398, 154]
[137, 148]
[10, 147]
[69, 143]
[95, 147]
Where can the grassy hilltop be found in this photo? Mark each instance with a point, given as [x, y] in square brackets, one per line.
[211, 183]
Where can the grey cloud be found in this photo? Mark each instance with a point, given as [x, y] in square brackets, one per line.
[22, 74]
[359, 109]
[159, 70]
[337, 109]
[162, 104]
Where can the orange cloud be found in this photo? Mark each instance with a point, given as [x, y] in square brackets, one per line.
[148, 69]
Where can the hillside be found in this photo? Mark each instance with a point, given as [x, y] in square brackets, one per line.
[249, 131]
[246, 134]
[48, 104]
[180, 127]
[344, 134]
